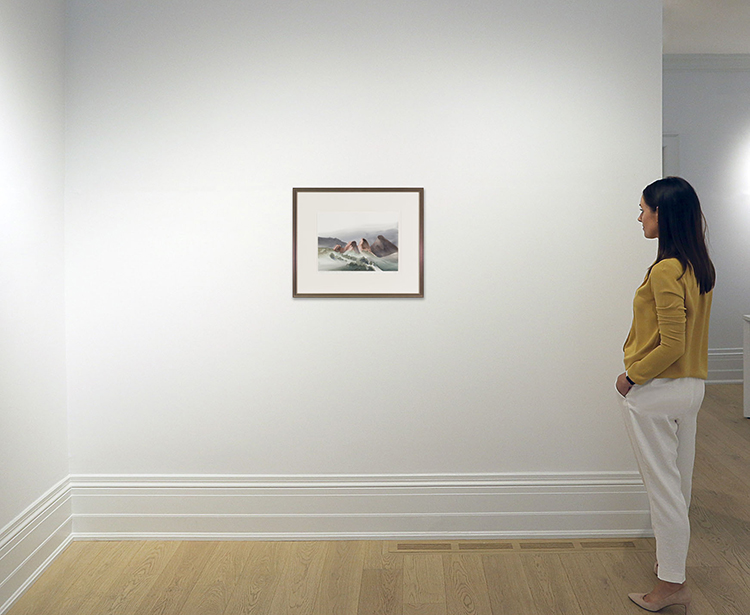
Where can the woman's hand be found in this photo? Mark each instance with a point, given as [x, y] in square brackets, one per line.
[622, 385]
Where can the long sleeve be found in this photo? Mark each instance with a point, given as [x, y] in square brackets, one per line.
[669, 335]
[669, 301]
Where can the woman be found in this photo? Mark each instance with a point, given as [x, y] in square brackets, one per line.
[666, 362]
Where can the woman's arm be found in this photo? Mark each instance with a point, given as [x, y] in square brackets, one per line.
[669, 295]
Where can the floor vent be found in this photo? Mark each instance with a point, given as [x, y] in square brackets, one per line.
[523, 546]
[611, 545]
[424, 546]
[547, 546]
[484, 546]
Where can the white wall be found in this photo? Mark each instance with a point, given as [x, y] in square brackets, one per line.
[532, 127]
[707, 104]
[35, 511]
[33, 424]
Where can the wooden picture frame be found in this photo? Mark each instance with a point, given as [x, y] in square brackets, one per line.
[358, 242]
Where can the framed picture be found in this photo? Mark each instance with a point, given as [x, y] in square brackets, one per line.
[357, 242]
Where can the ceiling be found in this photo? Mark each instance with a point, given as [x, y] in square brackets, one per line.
[707, 26]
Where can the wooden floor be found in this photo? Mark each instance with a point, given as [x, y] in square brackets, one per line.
[557, 577]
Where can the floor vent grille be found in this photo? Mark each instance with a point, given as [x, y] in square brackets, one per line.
[523, 546]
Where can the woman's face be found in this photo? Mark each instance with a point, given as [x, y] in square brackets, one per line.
[649, 218]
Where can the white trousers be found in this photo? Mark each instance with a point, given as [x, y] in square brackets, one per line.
[661, 417]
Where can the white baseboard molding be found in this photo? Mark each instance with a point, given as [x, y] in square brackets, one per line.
[32, 541]
[209, 507]
[725, 366]
[359, 507]
[707, 61]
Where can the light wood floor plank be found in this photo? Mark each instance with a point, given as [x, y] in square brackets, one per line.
[379, 557]
[716, 475]
[301, 579]
[549, 585]
[381, 592]
[129, 587]
[703, 551]
[700, 603]
[508, 587]
[172, 589]
[726, 444]
[465, 585]
[624, 573]
[424, 583]
[724, 535]
[110, 558]
[341, 580]
[725, 403]
[219, 579]
[260, 580]
[721, 590]
[592, 585]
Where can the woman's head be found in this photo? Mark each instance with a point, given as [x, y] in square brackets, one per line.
[678, 209]
[681, 226]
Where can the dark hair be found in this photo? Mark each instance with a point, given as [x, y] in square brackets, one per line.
[682, 228]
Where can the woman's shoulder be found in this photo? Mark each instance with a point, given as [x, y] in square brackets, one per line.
[669, 267]
[668, 271]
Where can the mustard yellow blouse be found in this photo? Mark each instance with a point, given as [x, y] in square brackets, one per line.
[669, 334]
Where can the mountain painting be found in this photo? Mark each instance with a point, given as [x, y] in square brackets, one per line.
[358, 241]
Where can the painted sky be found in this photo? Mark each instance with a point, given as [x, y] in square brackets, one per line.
[347, 223]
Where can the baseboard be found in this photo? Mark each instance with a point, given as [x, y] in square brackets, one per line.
[725, 366]
[707, 61]
[32, 541]
[359, 507]
[178, 507]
